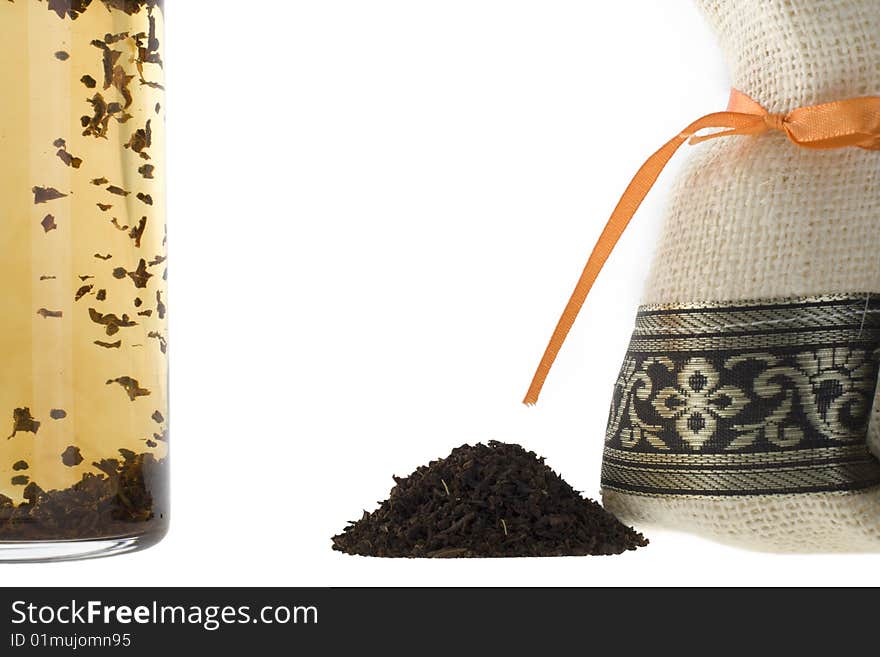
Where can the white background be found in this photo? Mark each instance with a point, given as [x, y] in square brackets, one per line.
[378, 210]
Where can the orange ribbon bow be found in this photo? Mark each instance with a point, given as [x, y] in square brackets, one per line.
[852, 122]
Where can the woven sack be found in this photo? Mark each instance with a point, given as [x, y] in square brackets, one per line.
[742, 411]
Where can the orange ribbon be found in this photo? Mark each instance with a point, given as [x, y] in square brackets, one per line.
[852, 122]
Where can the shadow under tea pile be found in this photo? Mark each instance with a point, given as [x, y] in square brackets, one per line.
[495, 500]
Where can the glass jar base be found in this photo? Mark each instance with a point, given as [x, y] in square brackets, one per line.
[54, 551]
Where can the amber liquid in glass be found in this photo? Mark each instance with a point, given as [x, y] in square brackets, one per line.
[83, 335]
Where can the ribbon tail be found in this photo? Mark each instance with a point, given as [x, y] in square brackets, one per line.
[756, 129]
[641, 184]
[852, 122]
[630, 201]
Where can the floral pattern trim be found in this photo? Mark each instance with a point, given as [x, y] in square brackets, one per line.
[751, 394]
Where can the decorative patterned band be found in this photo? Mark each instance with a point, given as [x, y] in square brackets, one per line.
[747, 398]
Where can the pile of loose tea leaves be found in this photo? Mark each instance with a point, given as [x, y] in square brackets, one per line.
[495, 500]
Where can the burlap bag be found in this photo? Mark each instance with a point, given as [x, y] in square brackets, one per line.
[769, 255]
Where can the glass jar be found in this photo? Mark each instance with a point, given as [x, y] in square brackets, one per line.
[83, 333]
